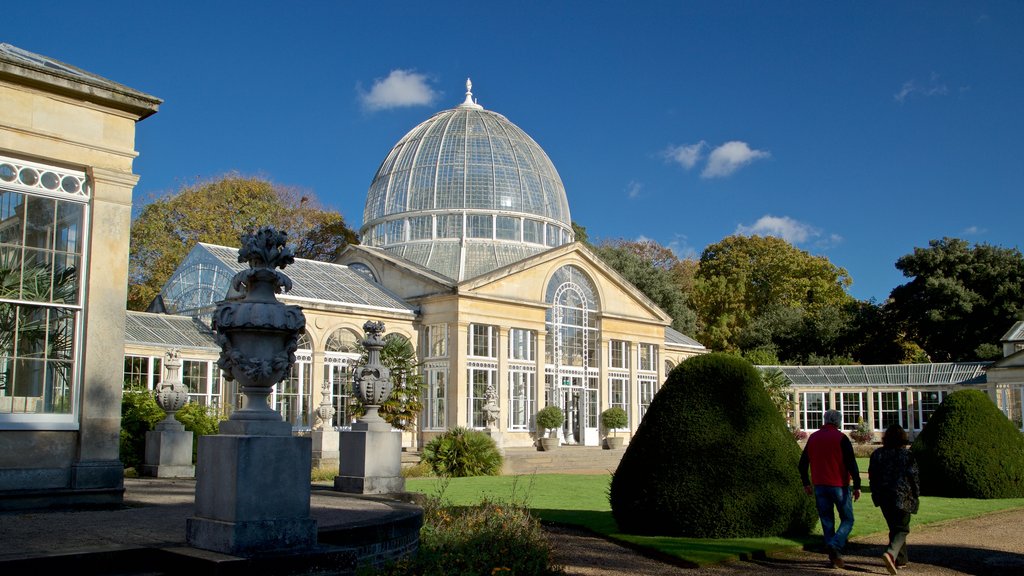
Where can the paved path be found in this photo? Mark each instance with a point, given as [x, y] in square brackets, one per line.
[990, 545]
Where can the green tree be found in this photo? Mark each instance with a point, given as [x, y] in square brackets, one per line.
[742, 278]
[960, 298]
[218, 211]
[656, 272]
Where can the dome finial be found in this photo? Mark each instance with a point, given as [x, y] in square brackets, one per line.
[469, 95]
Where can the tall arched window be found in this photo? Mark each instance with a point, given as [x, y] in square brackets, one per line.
[341, 351]
[573, 336]
[291, 396]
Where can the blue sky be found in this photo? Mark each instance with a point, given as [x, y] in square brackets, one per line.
[856, 130]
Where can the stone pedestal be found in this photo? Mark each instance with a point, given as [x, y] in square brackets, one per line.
[169, 453]
[325, 448]
[252, 493]
[371, 460]
[498, 437]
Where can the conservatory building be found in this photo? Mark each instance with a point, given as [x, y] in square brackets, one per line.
[467, 253]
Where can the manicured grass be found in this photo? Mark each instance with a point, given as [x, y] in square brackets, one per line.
[583, 500]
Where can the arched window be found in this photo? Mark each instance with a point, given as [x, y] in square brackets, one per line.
[572, 330]
[291, 396]
[341, 351]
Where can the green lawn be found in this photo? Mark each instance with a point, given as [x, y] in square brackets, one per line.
[583, 500]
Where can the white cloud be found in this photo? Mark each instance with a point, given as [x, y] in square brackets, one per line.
[634, 188]
[973, 231]
[784, 227]
[401, 88]
[686, 155]
[730, 157]
[934, 87]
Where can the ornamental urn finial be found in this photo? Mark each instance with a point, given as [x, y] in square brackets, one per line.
[172, 394]
[258, 335]
[372, 382]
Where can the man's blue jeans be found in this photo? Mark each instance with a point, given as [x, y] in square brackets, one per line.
[826, 497]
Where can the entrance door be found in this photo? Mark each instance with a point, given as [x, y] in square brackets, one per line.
[578, 403]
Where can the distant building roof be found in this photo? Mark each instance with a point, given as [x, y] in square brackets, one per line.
[676, 337]
[204, 276]
[885, 374]
[1015, 334]
[146, 329]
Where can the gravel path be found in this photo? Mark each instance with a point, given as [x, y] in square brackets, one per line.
[990, 545]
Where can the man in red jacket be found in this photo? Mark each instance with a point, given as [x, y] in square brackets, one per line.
[829, 454]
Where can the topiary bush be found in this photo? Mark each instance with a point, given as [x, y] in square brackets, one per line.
[969, 449]
[463, 452]
[549, 418]
[712, 458]
[614, 418]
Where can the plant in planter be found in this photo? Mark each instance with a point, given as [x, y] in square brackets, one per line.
[612, 419]
[862, 434]
[549, 418]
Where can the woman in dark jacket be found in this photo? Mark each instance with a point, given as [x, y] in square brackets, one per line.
[895, 488]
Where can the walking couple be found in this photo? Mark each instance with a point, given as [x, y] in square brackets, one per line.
[894, 487]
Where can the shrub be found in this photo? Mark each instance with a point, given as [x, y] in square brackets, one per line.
[491, 538]
[712, 458]
[550, 418]
[463, 452]
[969, 449]
[200, 420]
[614, 418]
[139, 414]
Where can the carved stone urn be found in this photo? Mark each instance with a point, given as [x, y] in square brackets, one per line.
[258, 335]
[372, 383]
[172, 394]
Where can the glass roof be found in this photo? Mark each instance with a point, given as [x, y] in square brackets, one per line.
[204, 276]
[466, 177]
[885, 374]
[144, 328]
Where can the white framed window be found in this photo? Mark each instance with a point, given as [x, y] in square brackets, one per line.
[435, 340]
[43, 224]
[483, 341]
[435, 397]
[888, 410]
[480, 376]
[522, 344]
[522, 383]
[507, 228]
[648, 387]
[618, 391]
[853, 408]
[812, 410]
[479, 226]
[203, 381]
[618, 354]
[142, 372]
[927, 402]
[648, 357]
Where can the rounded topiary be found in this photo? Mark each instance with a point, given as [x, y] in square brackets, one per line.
[550, 418]
[614, 418]
[712, 458]
[463, 452]
[969, 449]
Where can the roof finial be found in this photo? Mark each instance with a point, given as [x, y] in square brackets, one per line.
[469, 95]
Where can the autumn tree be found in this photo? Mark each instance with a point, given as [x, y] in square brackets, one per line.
[656, 272]
[766, 283]
[218, 212]
[961, 297]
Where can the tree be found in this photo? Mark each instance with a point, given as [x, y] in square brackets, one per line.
[656, 272]
[960, 298]
[218, 212]
[742, 278]
[712, 458]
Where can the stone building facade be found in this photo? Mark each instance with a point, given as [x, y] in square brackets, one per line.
[67, 143]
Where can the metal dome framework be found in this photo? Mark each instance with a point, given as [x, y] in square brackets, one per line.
[466, 192]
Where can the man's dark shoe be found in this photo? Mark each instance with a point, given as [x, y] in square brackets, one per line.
[835, 557]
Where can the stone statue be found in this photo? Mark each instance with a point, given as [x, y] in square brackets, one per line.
[491, 409]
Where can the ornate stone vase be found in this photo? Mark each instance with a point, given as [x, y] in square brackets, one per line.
[172, 394]
[258, 335]
[372, 382]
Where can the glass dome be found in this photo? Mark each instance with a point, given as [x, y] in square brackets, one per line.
[464, 193]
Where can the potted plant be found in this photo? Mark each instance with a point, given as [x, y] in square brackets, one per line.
[549, 418]
[612, 419]
[862, 434]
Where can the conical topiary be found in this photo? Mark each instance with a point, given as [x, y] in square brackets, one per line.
[712, 458]
[969, 449]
